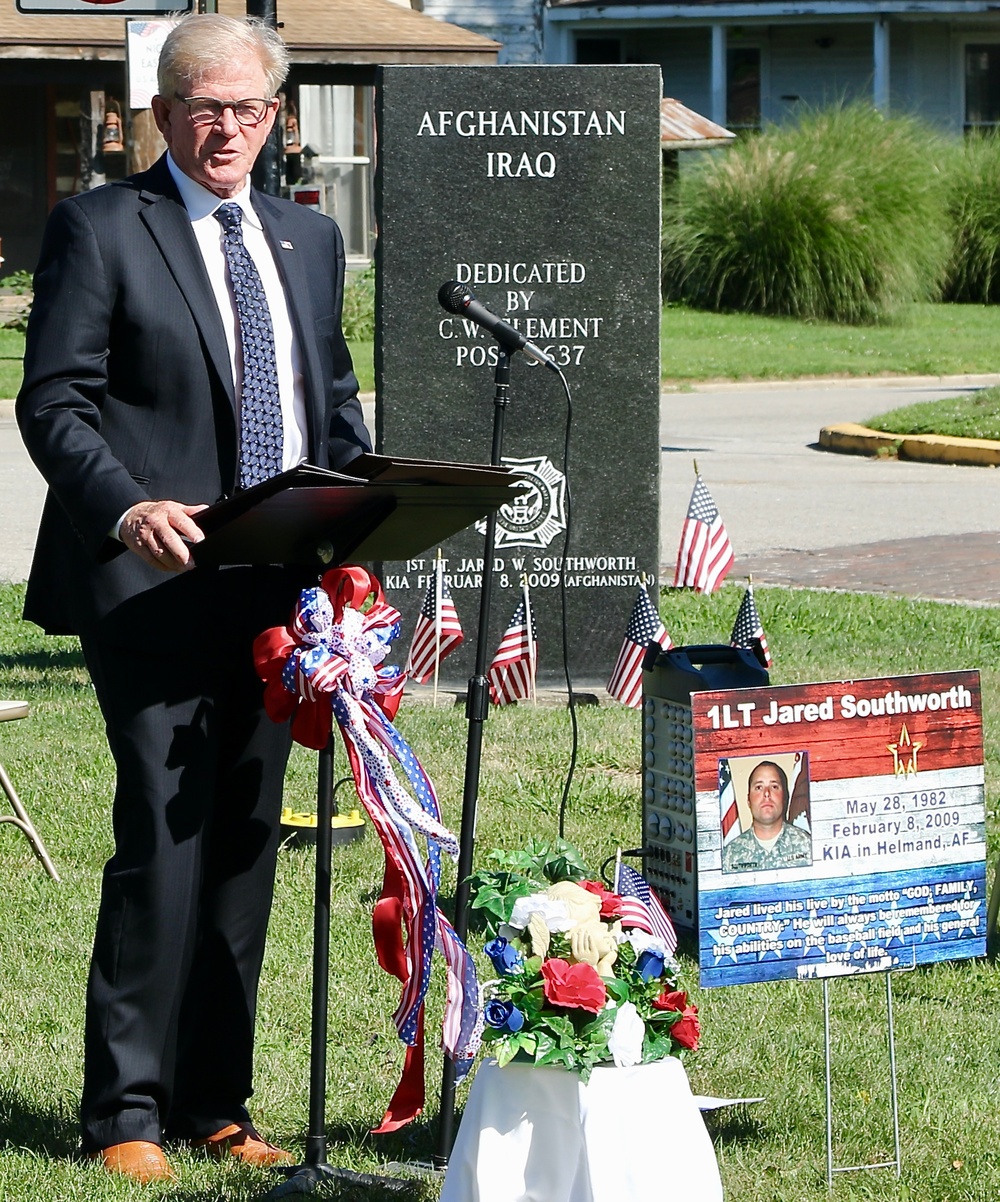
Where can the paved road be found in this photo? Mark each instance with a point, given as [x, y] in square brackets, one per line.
[21, 495]
[796, 515]
[801, 516]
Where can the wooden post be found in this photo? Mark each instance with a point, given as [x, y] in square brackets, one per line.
[145, 145]
[92, 141]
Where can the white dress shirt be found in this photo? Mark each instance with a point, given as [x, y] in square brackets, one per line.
[201, 205]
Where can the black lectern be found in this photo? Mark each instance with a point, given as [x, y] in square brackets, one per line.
[387, 508]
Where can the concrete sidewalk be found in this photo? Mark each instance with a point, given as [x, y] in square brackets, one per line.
[22, 491]
[801, 516]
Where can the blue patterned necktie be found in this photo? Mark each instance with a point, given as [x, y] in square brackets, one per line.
[260, 406]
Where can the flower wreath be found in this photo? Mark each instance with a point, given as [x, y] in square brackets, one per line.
[579, 983]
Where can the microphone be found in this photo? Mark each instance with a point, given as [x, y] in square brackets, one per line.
[458, 299]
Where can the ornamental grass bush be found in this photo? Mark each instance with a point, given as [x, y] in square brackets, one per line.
[358, 318]
[974, 211]
[840, 217]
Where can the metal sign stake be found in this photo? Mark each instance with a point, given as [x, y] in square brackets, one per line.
[896, 1162]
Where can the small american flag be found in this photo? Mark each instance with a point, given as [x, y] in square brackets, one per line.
[705, 554]
[727, 801]
[438, 631]
[512, 672]
[643, 909]
[748, 629]
[644, 627]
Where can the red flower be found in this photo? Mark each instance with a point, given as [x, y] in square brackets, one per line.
[686, 1030]
[611, 903]
[671, 999]
[575, 986]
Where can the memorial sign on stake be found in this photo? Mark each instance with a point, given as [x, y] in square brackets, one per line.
[880, 863]
[539, 189]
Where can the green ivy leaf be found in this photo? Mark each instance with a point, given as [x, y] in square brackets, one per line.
[544, 1045]
[562, 1027]
[656, 1046]
[506, 1053]
[617, 989]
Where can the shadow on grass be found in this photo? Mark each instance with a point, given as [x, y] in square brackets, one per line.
[61, 668]
[407, 1153]
[47, 1131]
[733, 1125]
[59, 659]
[415, 1142]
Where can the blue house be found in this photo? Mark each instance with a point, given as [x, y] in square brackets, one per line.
[750, 64]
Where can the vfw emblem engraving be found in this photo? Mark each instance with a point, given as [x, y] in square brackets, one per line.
[539, 513]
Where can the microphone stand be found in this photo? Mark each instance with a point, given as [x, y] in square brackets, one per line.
[477, 709]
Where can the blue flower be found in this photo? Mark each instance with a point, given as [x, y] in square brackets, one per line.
[649, 966]
[505, 1016]
[506, 958]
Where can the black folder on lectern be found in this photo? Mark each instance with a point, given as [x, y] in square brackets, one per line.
[386, 508]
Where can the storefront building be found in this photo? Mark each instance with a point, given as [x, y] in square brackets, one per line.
[69, 127]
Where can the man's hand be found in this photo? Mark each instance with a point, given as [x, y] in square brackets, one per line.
[156, 530]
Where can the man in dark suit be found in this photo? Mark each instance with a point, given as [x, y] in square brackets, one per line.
[144, 400]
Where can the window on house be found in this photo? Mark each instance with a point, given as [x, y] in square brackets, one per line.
[743, 87]
[982, 85]
[335, 129]
[598, 51]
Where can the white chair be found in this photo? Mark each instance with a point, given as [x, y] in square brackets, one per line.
[9, 712]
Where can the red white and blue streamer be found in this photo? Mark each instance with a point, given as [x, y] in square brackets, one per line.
[326, 665]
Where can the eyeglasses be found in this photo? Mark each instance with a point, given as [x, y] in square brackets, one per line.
[206, 110]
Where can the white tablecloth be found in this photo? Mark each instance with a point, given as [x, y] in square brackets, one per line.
[540, 1135]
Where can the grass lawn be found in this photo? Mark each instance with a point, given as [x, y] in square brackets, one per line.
[972, 416]
[931, 340]
[11, 350]
[758, 1039]
[363, 357]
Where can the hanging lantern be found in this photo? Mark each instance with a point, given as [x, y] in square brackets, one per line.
[292, 143]
[111, 138]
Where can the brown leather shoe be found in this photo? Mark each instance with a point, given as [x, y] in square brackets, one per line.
[138, 1159]
[243, 1142]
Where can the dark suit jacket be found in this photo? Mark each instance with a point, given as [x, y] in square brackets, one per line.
[128, 391]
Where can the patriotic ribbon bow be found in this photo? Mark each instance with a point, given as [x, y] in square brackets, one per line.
[326, 665]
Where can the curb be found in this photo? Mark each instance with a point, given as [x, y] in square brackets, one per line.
[851, 439]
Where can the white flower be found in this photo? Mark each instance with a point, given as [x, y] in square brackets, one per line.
[643, 942]
[625, 1040]
[553, 913]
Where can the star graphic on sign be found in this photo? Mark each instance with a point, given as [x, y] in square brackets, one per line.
[725, 945]
[967, 914]
[903, 747]
[931, 927]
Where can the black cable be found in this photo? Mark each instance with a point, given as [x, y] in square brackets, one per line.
[632, 851]
[570, 699]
